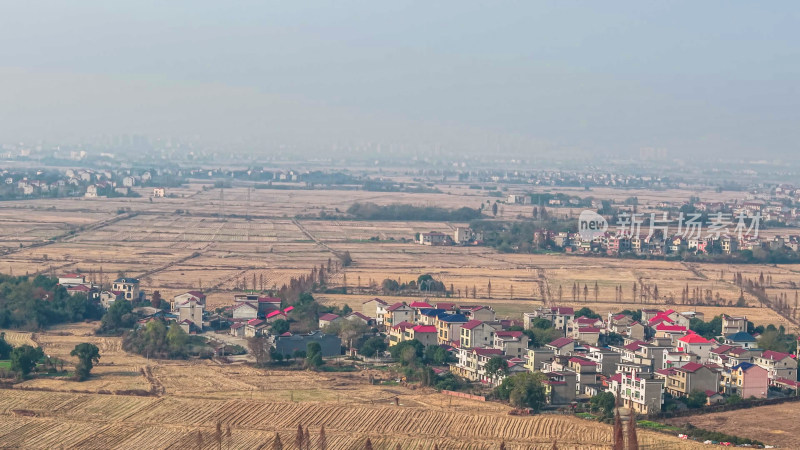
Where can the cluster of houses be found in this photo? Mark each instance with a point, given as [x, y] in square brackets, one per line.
[459, 236]
[614, 243]
[91, 182]
[649, 357]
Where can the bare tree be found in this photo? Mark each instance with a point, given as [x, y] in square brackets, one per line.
[276, 443]
[323, 443]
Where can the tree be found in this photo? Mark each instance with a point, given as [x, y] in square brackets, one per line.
[633, 440]
[313, 355]
[603, 402]
[496, 366]
[176, 339]
[24, 358]
[5, 347]
[260, 349]
[435, 354]
[368, 445]
[373, 346]
[523, 390]
[88, 355]
[586, 312]
[772, 340]
[619, 439]
[119, 315]
[276, 443]
[279, 327]
[155, 300]
[298, 441]
[494, 209]
[502, 445]
[696, 399]
[397, 350]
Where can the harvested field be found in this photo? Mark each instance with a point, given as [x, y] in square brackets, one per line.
[134, 422]
[773, 425]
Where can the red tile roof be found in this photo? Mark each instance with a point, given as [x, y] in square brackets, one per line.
[561, 342]
[359, 315]
[693, 338]
[471, 324]
[275, 313]
[588, 330]
[690, 367]
[487, 351]
[775, 356]
[424, 329]
[676, 328]
[563, 310]
[582, 362]
[721, 349]
[395, 307]
[288, 309]
[511, 334]
[376, 299]
[269, 300]
[586, 320]
[420, 305]
[79, 288]
[445, 306]
[255, 322]
[403, 325]
[328, 317]
[633, 346]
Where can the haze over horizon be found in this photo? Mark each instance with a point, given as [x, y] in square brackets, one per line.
[707, 78]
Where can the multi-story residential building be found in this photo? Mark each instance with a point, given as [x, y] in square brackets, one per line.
[71, 279]
[128, 286]
[449, 327]
[745, 380]
[694, 343]
[513, 343]
[733, 324]
[398, 312]
[643, 393]
[476, 334]
[559, 316]
[471, 363]
[562, 346]
[536, 357]
[605, 359]
[777, 365]
[191, 310]
[425, 334]
[741, 339]
[691, 377]
[585, 372]
[374, 308]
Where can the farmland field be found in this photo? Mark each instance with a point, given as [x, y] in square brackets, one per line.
[773, 424]
[256, 403]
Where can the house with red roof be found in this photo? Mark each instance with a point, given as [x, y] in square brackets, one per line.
[471, 363]
[643, 393]
[180, 298]
[397, 333]
[374, 308]
[274, 316]
[692, 377]
[562, 346]
[694, 343]
[476, 333]
[255, 327]
[327, 319]
[71, 279]
[586, 335]
[479, 312]
[425, 334]
[512, 343]
[777, 365]
[237, 329]
[396, 313]
[356, 316]
[672, 332]
[559, 316]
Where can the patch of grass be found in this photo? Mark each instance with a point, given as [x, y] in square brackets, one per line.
[337, 369]
[587, 416]
[5, 364]
[656, 426]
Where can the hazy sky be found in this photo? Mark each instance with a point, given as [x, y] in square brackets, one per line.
[597, 76]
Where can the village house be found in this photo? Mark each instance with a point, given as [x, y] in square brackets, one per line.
[398, 312]
[605, 359]
[255, 327]
[644, 394]
[71, 279]
[397, 333]
[428, 316]
[471, 363]
[327, 319]
[587, 335]
[585, 372]
[560, 387]
[559, 316]
[694, 343]
[733, 324]
[425, 334]
[475, 333]
[690, 377]
[512, 343]
[375, 308]
[741, 339]
[449, 327]
[745, 380]
[536, 357]
[128, 286]
[288, 344]
[159, 192]
[244, 311]
[107, 298]
[237, 329]
[562, 346]
[356, 316]
[191, 310]
[777, 365]
[434, 238]
[417, 307]
[482, 313]
[180, 298]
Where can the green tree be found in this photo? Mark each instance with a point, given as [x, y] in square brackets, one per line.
[587, 312]
[313, 355]
[5, 347]
[496, 366]
[397, 350]
[772, 340]
[24, 359]
[177, 340]
[435, 354]
[603, 402]
[373, 346]
[696, 399]
[279, 327]
[88, 355]
[523, 390]
[119, 315]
